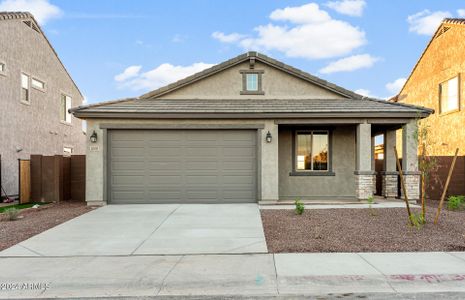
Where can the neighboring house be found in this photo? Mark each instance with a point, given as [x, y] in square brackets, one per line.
[437, 81]
[249, 129]
[35, 93]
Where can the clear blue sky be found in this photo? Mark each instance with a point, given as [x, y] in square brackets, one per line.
[98, 40]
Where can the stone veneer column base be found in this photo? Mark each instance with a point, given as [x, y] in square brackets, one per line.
[365, 184]
[412, 184]
[390, 184]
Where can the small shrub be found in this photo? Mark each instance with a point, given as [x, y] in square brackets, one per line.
[370, 201]
[12, 213]
[417, 220]
[299, 207]
[456, 202]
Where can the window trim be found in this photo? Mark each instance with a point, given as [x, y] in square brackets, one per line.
[36, 87]
[21, 88]
[441, 113]
[66, 110]
[259, 90]
[295, 171]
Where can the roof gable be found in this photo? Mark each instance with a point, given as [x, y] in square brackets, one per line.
[158, 104]
[320, 87]
[28, 19]
[443, 28]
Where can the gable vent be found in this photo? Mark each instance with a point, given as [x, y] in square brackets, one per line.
[444, 29]
[32, 25]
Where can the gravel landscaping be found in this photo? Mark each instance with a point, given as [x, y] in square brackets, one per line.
[37, 220]
[357, 230]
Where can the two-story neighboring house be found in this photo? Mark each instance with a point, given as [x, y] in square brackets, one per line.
[36, 92]
[437, 81]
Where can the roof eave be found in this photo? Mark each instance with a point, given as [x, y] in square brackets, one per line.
[263, 115]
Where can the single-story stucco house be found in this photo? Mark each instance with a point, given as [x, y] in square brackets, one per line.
[251, 129]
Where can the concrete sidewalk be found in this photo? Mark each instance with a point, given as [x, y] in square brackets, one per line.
[233, 275]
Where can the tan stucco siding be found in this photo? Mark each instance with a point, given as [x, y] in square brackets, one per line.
[444, 59]
[227, 84]
[340, 186]
[34, 128]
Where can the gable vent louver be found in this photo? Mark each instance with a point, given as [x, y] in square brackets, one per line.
[441, 31]
[31, 25]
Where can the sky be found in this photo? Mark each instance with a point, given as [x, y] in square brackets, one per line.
[117, 49]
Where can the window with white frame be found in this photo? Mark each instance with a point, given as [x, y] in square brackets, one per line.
[38, 84]
[251, 82]
[312, 150]
[65, 116]
[25, 90]
[449, 95]
[67, 151]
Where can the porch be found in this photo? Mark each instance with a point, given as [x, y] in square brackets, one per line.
[332, 161]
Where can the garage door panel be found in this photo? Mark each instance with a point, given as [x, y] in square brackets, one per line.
[202, 165]
[163, 179]
[159, 151]
[239, 152]
[240, 179]
[199, 151]
[182, 166]
[128, 180]
[202, 179]
[202, 195]
[127, 165]
[163, 196]
[237, 165]
[127, 151]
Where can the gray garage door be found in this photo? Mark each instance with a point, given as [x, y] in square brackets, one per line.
[182, 166]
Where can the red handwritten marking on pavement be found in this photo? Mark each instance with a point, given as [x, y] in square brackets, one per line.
[428, 278]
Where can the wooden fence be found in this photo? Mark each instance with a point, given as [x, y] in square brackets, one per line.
[457, 184]
[438, 177]
[52, 178]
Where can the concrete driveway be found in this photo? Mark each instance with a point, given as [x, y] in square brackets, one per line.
[152, 229]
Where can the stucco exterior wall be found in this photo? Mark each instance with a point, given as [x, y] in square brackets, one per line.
[341, 186]
[96, 155]
[228, 85]
[34, 128]
[444, 59]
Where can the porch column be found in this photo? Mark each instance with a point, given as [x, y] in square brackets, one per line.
[390, 170]
[364, 175]
[410, 160]
[269, 163]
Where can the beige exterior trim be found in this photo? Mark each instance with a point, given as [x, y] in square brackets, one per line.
[181, 126]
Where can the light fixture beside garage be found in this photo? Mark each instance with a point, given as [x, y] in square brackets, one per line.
[93, 137]
[268, 137]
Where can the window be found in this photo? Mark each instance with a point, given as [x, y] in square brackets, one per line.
[2, 67]
[449, 95]
[25, 97]
[38, 84]
[312, 150]
[67, 151]
[65, 116]
[252, 82]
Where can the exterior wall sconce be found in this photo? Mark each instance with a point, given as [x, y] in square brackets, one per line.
[93, 137]
[268, 137]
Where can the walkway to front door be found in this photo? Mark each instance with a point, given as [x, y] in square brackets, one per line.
[145, 229]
